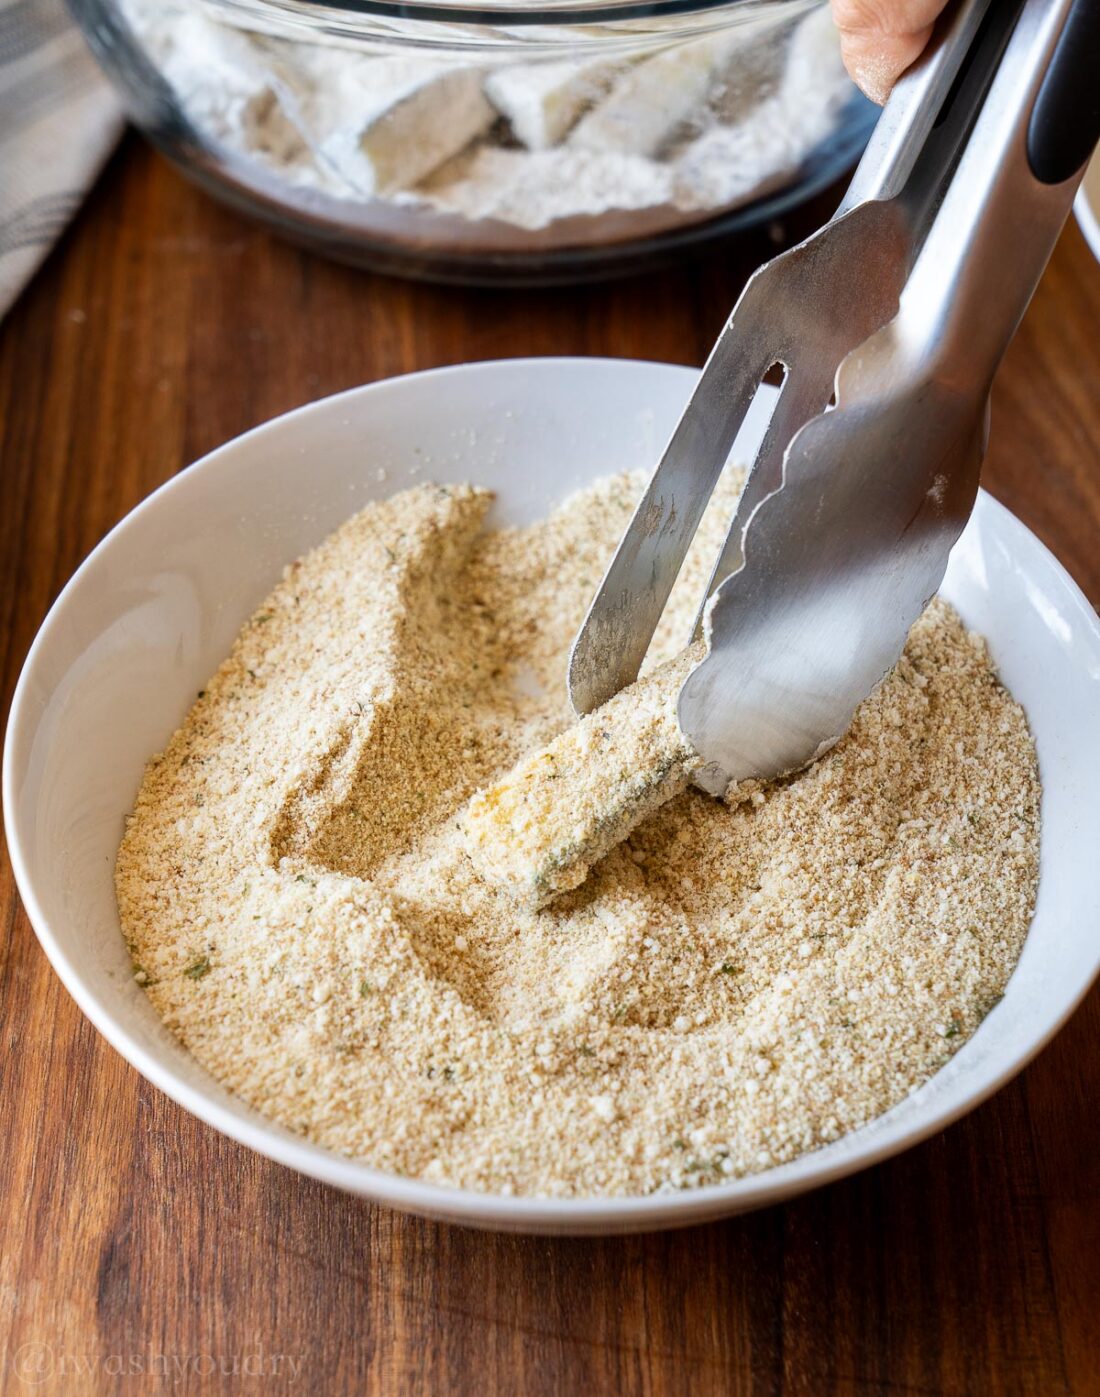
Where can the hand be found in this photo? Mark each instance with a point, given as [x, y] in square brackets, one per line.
[881, 38]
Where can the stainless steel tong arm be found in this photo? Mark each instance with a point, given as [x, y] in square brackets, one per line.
[799, 301]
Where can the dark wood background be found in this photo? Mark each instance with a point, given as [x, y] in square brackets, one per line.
[163, 325]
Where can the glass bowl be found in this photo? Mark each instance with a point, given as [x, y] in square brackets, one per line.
[494, 142]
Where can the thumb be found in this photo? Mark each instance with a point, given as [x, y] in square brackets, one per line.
[881, 38]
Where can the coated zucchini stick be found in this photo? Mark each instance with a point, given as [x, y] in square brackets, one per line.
[559, 811]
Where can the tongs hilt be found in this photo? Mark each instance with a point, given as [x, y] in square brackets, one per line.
[1002, 209]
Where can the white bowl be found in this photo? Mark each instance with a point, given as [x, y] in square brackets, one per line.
[151, 613]
[1087, 207]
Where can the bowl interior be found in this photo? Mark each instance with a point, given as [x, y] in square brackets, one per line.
[153, 611]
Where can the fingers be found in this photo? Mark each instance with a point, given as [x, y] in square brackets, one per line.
[881, 38]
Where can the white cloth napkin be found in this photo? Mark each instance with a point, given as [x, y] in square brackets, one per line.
[59, 120]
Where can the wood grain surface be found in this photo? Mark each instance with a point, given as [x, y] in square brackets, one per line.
[133, 1238]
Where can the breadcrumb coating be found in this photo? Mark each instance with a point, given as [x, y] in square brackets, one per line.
[733, 985]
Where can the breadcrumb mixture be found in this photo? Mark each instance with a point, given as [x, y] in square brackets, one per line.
[732, 986]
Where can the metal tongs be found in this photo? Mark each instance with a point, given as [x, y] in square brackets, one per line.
[889, 324]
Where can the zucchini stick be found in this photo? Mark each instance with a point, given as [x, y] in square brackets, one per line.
[537, 832]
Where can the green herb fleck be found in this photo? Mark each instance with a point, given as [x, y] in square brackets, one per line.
[954, 1028]
[200, 968]
[991, 1004]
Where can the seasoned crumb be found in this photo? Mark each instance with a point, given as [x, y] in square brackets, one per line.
[733, 985]
[538, 832]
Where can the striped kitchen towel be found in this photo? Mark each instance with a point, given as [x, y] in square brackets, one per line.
[59, 121]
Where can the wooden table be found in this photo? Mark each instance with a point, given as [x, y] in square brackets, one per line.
[132, 1233]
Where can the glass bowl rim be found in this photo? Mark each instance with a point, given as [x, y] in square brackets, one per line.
[506, 12]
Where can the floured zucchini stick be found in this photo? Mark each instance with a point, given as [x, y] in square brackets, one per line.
[542, 102]
[559, 811]
[386, 123]
[377, 124]
[232, 85]
[651, 101]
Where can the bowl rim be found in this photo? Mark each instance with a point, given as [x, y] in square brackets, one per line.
[1087, 207]
[341, 16]
[490, 1210]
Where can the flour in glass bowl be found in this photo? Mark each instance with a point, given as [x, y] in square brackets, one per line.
[705, 124]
